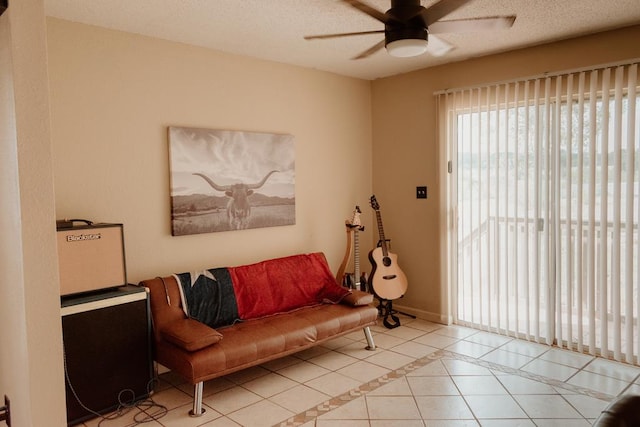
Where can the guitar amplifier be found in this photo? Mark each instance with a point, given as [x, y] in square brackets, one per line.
[91, 257]
[107, 351]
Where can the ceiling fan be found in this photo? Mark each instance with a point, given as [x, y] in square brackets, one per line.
[409, 27]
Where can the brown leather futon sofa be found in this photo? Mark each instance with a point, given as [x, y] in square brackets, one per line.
[222, 320]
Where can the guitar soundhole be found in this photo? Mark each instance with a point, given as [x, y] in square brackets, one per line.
[389, 277]
[386, 261]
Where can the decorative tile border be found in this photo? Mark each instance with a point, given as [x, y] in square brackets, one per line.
[338, 401]
[535, 377]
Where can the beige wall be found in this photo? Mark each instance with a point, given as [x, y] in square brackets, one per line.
[406, 152]
[113, 95]
[31, 372]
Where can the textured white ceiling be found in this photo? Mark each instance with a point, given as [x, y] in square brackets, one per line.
[274, 29]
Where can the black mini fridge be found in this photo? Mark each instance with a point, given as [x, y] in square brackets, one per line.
[107, 351]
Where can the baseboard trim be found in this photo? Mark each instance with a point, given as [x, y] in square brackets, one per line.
[425, 315]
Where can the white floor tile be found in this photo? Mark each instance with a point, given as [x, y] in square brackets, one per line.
[363, 371]
[433, 386]
[390, 359]
[248, 374]
[303, 372]
[455, 331]
[508, 423]
[460, 367]
[469, 348]
[519, 385]
[633, 389]
[546, 406]
[397, 423]
[488, 339]
[422, 325]
[386, 341]
[495, 407]
[172, 398]
[312, 352]
[525, 348]
[270, 384]
[333, 384]
[561, 423]
[589, 407]
[549, 369]
[434, 368]
[399, 387]
[405, 333]
[261, 414]
[414, 350]
[477, 385]
[452, 423]
[337, 343]
[231, 400]
[392, 408]
[507, 358]
[564, 357]
[613, 369]
[443, 408]
[597, 382]
[179, 417]
[354, 410]
[357, 350]
[299, 398]
[436, 340]
[222, 422]
[342, 423]
[332, 360]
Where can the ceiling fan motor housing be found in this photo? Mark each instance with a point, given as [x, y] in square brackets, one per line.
[395, 33]
[405, 21]
[404, 3]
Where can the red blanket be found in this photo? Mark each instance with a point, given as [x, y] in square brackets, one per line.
[283, 284]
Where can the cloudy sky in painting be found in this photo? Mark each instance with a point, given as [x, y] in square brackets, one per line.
[230, 157]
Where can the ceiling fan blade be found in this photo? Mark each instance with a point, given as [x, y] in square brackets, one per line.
[438, 47]
[371, 50]
[441, 9]
[331, 36]
[375, 13]
[472, 25]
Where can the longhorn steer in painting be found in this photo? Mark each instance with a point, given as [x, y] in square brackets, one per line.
[238, 206]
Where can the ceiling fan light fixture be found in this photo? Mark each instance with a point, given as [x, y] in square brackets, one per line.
[405, 48]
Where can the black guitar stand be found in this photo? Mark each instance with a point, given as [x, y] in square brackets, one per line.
[385, 309]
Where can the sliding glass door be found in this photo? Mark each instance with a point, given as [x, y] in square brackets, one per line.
[545, 201]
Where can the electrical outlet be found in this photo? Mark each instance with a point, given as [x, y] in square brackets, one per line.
[421, 192]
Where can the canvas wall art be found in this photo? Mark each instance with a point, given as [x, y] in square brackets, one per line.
[224, 180]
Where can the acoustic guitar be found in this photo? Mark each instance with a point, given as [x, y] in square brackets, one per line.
[387, 280]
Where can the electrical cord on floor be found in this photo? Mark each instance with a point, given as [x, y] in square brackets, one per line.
[144, 405]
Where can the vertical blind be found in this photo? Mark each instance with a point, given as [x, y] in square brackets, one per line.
[545, 205]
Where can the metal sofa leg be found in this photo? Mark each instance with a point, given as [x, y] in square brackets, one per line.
[367, 333]
[197, 410]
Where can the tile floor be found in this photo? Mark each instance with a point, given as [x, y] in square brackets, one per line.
[422, 374]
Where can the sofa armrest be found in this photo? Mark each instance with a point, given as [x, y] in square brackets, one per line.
[356, 298]
[190, 334]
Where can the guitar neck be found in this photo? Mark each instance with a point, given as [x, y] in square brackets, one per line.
[383, 241]
[356, 255]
